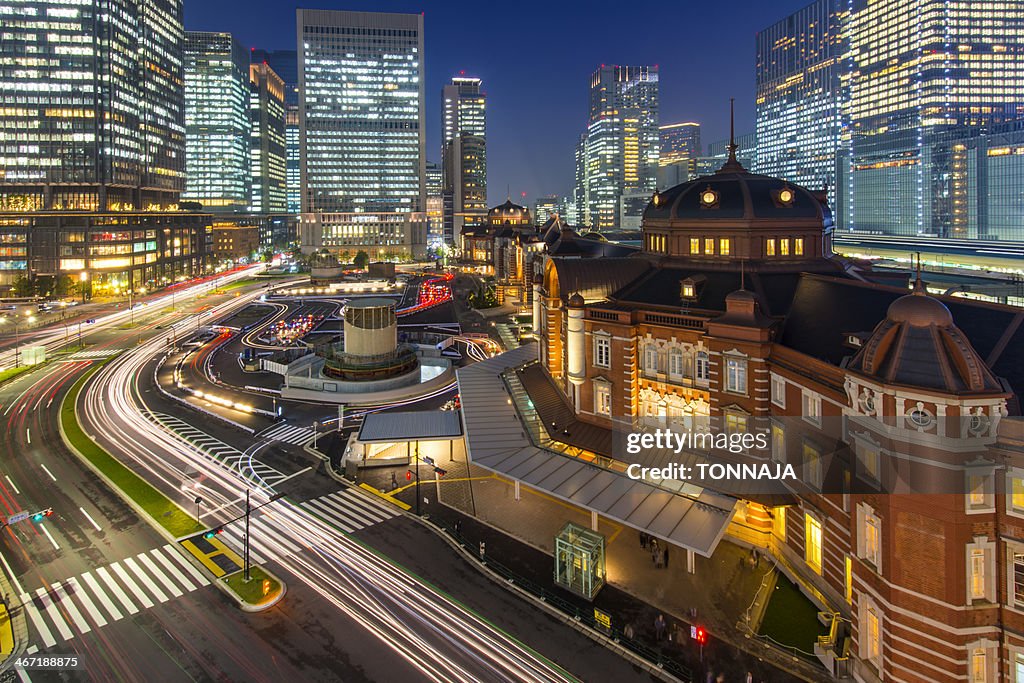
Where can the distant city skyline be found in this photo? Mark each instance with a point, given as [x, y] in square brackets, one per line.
[531, 141]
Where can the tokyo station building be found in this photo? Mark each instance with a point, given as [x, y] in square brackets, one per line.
[896, 407]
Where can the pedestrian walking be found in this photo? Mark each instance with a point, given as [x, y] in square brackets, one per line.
[483, 550]
[458, 528]
[628, 631]
[659, 627]
[643, 540]
[750, 677]
[711, 677]
[660, 562]
[666, 557]
[394, 481]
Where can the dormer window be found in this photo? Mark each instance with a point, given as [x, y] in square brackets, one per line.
[694, 245]
[784, 247]
[724, 246]
[798, 246]
[689, 291]
[769, 247]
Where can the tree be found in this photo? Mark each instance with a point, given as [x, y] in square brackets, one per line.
[346, 257]
[64, 286]
[361, 259]
[23, 287]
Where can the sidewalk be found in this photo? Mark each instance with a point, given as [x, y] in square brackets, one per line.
[520, 535]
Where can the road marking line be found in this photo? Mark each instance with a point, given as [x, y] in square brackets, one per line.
[330, 514]
[107, 603]
[187, 566]
[282, 538]
[109, 581]
[204, 558]
[37, 620]
[55, 615]
[12, 485]
[91, 520]
[238, 538]
[150, 583]
[76, 617]
[87, 603]
[369, 515]
[132, 586]
[370, 504]
[48, 471]
[47, 532]
[182, 579]
[356, 516]
[28, 435]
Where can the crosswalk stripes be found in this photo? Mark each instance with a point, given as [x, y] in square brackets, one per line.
[94, 353]
[288, 433]
[271, 538]
[218, 451]
[108, 594]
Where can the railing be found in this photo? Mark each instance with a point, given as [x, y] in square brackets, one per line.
[583, 616]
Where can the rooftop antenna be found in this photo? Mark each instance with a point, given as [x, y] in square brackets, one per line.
[732, 165]
[918, 285]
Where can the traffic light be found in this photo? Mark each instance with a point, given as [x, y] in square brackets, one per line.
[266, 586]
[439, 472]
[213, 532]
[38, 517]
[408, 475]
[702, 635]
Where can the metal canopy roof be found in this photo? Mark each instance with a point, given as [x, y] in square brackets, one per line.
[497, 440]
[398, 427]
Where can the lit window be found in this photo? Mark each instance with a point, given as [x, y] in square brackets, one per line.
[602, 398]
[798, 246]
[784, 247]
[873, 636]
[868, 460]
[694, 245]
[778, 442]
[812, 465]
[812, 542]
[849, 579]
[976, 580]
[979, 665]
[870, 536]
[724, 245]
[709, 246]
[735, 423]
[769, 247]
[1017, 494]
[779, 523]
[736, 375]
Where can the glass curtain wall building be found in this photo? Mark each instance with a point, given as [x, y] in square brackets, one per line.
[924, 73]
[464, 156]
[361, 124]
[269, 173]
[435, 203]
[620, 147]
[285, 64]
[92, 146]
[801, 100]
[92, 112]
[217, 122]
[679, 141]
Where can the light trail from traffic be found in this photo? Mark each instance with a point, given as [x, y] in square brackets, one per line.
[441, 638]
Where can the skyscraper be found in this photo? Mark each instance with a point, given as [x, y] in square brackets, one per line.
[92, 144]
[361, 123]
[924, 72]
[285, 64]
[464, 156]
[679, 141]
[620, 146]
[269, 173]
[544, 207]
[801, 100]
[434, 179]
[87, 124]
[217, 122]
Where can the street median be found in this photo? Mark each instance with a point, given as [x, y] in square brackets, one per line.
[151, 503]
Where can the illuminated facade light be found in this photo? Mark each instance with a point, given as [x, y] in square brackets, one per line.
[464, 156]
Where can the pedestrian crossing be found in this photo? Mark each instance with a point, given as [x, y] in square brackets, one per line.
[273, 539]
[93, 354]
[288, 433]
[220, 452]
[108, 594]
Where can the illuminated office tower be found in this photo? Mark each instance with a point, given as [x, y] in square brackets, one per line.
[88, 124]
[801, 63]
[545, 207]
[923, 73]
[620, 146]
[269, 173]
[434, 179]
[679, 141]
[464, 156]
[285, 63]
[92, 144]
[217, 122]
[362, 138]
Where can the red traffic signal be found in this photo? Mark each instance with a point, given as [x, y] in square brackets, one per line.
[439, 472]
[702, 635]
[408, 475]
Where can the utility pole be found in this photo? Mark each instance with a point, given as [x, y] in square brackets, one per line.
[248, 512]
[417, 468]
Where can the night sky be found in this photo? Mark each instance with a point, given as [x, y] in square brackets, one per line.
[535, 59]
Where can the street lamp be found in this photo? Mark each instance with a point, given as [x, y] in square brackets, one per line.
[83, 279]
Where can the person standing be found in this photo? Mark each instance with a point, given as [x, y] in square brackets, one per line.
[666, 557]
[659, 627]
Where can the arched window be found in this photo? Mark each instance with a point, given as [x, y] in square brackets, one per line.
[675, 362]
[651, 359]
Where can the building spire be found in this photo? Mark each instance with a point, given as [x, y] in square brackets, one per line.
[732, 165]
[919, 287]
